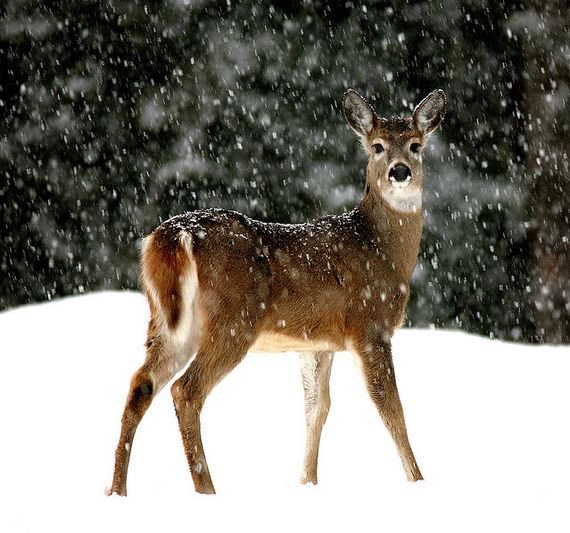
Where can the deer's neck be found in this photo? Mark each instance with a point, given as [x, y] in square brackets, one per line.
[396, 234]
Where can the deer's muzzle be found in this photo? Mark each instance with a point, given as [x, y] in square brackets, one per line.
[400, 173]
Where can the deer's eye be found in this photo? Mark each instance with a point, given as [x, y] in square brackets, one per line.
[415, 147]
[378, 148]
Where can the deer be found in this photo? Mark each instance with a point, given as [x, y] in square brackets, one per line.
[220, 284]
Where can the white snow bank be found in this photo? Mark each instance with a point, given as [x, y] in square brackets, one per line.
[489, 423]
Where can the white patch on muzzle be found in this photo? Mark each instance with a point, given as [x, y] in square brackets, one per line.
[402, 196]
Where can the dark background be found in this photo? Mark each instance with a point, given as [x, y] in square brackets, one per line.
[117, 115]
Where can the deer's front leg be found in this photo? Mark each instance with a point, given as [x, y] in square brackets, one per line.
[315, 372]
[375, 355]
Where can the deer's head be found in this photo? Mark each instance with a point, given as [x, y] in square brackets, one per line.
[394, 147]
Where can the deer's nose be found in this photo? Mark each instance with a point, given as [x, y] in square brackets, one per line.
[400, 173]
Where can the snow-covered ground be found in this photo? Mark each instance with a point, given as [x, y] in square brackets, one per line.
[489, 423]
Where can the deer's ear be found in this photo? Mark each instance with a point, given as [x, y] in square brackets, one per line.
[429, 113]
[358, 113]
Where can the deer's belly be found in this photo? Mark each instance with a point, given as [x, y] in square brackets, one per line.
[278, 342]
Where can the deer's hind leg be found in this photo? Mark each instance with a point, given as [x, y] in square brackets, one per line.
[162, 362]
[219, 354]
[315, 373]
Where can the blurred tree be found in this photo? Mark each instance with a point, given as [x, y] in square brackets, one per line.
[495, 249]
[76, 154]
[543, 31]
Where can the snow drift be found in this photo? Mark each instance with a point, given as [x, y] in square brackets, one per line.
[488, 422]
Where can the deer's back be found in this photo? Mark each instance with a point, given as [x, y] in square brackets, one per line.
[296, 286]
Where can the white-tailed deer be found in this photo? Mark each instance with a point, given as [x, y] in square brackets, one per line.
[220, 284]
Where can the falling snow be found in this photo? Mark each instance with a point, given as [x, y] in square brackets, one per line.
[115, 119]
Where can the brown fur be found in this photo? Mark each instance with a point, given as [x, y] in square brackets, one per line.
[340, 282]
[163, 262]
